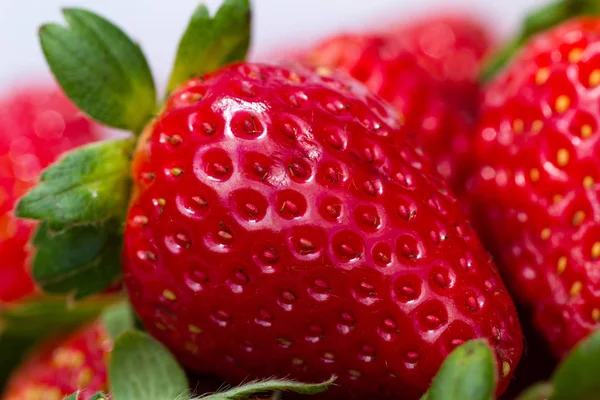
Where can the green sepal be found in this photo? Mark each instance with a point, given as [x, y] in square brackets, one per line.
[469, 372]
[142, 368]
[100, 69]
[26, 323]
[80, 260]
[211, 42]
[88, 184]
[539, 391]
[118, 319]
[577, 375]
[542, 19]
[270, 385]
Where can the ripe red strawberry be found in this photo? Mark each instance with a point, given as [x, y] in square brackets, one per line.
[36, 125]
[62, 367]
[284, 224]
[536, 190]
[451, 49]
[439, 126]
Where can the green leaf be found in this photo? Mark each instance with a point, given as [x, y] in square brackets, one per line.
[88, 184]
[469, 372]
[118, 319]
[270, 385]
[24, 324]
[142, 368]
[577, 375]
[209, 43]
[541, 19]
[539, 391]
[100, 69]
[81, 260]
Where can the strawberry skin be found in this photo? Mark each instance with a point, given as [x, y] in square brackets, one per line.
[36, 125]
[284, 224]
[441, 127]
[536, 192]
[61, 368]
[450, 48]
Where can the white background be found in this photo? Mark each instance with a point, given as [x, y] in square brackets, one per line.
[278, 24]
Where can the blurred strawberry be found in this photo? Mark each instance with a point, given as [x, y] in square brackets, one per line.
[428, 70]
[451, 49]
[440, 127]
[62, 367]
[36, 125]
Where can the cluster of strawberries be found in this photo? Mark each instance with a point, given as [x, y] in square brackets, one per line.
[314, 219]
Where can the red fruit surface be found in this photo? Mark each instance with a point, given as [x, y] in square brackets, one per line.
[60, 368]
[536, 192]
[451, 49]
[36, 125]
[440, 126]
[284, 224]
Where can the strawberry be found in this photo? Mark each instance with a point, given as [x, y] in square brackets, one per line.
[451, 49]
[535, 193]
[61, 367]
[36, 125]
[282, 222]
[440, 127]
[307, 195]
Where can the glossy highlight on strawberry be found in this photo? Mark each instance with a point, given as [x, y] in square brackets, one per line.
[536, 192]
[283, 223]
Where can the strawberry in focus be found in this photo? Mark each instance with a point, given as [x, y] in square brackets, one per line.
[283, 224]
[536, 194]
[36, 126]
[62, 367]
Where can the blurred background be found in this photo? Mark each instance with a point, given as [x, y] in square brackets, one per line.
[279, 24]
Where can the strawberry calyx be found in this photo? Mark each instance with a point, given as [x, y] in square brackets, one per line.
[211, 42]
[537, 21]
[82, 198]
[102, 71]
